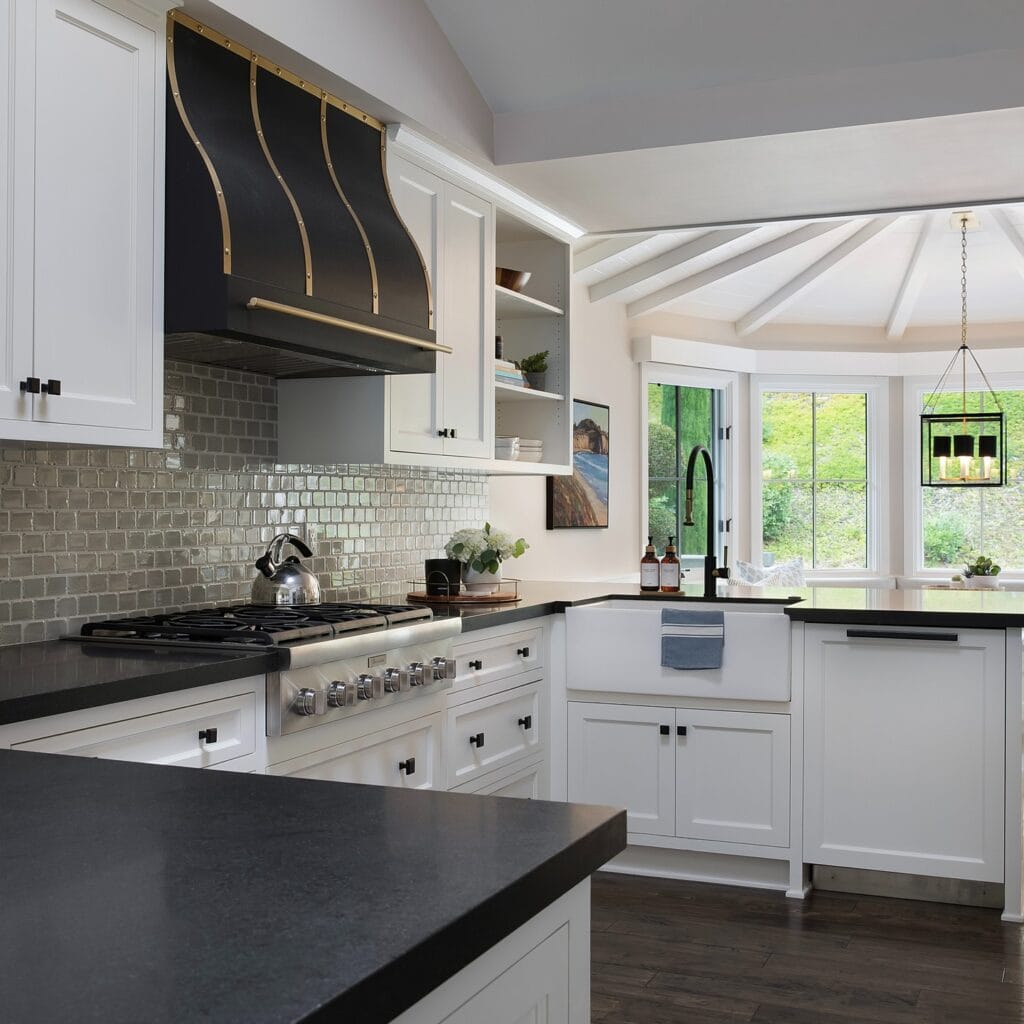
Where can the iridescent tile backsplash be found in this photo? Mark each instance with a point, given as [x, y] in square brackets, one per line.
[88, 533]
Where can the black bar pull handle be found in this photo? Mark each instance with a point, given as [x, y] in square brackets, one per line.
[906, 634]
[665, 730]
[526, 722]
[51, 387]
[476, 664]
[680, 730]
[409, 766]
[477, 740]
[32, 385]
[208, 735]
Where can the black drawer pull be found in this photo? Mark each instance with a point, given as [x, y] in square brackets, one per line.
[523, 652]
[409, 767]
[51, 387]
[680, 730]
[477, 740]
[881, 634]
[31, 385]
[443, 433]
[665, 730]
[208, 735]
[476, 664]
[527, 722]
[451, 433]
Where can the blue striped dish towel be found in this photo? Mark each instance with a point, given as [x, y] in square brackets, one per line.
[691, 639]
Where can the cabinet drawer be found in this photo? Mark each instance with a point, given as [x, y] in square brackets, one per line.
[485, 734]
[167, 737]
[517, 781]
[483, 660]
[407, 755]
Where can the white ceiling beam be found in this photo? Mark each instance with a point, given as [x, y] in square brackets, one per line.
[674, 259]
[916, 274]
[1013, 236]
[733, 265]
[807, 279]
[605, 249]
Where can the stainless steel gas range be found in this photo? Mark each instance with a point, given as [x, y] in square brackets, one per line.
[334, 660]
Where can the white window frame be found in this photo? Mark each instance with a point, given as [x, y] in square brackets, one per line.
[915, 390]
[694, 377]
[877, 391]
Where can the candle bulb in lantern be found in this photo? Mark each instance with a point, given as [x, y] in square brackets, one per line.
[942, 448]
[988, 451]
[963, 449]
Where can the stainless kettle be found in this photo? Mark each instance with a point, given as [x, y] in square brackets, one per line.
[287, 581]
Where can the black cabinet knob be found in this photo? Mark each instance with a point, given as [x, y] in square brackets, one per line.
[477, 665]
[51, 387]
[443, 433]
[408, 766]
[664, 730]
[208, 735]
[477, 740]
[526, 722]
[523, 652]
[680, 730]
[31, 384]
[451, 433]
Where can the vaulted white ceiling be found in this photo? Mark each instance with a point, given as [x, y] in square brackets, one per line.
[893, 277]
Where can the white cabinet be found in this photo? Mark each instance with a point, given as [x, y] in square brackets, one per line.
[525, 782]
[718, 776]
[407, 755]
[486, 734]
[81, 172]
[415, 418]
[624, 756]
[481, 660]
[904, 740]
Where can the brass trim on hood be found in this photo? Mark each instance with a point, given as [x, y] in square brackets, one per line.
[222, 206]
[229, 44]
[254, 101]
[336, 321]
[401, 220]
[348, 206]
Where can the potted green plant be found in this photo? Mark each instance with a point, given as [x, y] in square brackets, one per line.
[534, 367]
[481, 553]
[981, 574]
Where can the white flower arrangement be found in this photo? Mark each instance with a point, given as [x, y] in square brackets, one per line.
[484, 550]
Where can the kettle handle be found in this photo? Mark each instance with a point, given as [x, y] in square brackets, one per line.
[268, 562]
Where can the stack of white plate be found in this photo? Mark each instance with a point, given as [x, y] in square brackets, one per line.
[506, 448]
[531, 450]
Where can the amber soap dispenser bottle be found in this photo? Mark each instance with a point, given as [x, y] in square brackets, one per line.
[650, 568]
[670, 569]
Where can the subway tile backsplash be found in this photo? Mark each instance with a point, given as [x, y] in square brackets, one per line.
[88, 533]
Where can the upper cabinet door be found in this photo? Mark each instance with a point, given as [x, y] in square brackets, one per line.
[96, 185]
[416, 398]
[467, 308]
[16, 46]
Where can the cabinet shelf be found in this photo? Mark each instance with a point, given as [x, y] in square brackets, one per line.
[510, 305]
[513, 393]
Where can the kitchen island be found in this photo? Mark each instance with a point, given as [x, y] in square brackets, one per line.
[140, 893]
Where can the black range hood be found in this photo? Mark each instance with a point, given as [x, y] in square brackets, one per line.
[284, 252]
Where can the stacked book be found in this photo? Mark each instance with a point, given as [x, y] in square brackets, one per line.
[508, 373]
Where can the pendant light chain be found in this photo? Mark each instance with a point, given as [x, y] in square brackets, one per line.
[963, 310]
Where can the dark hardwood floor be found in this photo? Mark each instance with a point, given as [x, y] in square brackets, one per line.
[666, 952]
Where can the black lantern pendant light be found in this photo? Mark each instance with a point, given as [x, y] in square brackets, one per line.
[962, 449]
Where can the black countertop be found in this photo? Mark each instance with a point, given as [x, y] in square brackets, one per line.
[139, 893]
[64, 675]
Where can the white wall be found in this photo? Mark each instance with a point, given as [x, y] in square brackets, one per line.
[388, 57]
[602, 371]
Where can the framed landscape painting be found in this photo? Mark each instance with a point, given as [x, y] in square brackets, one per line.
[580, 501]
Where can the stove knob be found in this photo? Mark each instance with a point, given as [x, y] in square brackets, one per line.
[369, 687]
[417, 674]
[310, 702]
[395, 680]
[341, 695]
[444, 668]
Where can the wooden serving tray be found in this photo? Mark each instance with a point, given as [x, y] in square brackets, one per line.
[499, 597]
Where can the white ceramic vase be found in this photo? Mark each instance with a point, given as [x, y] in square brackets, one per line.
[481, 582]
[982, 582]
